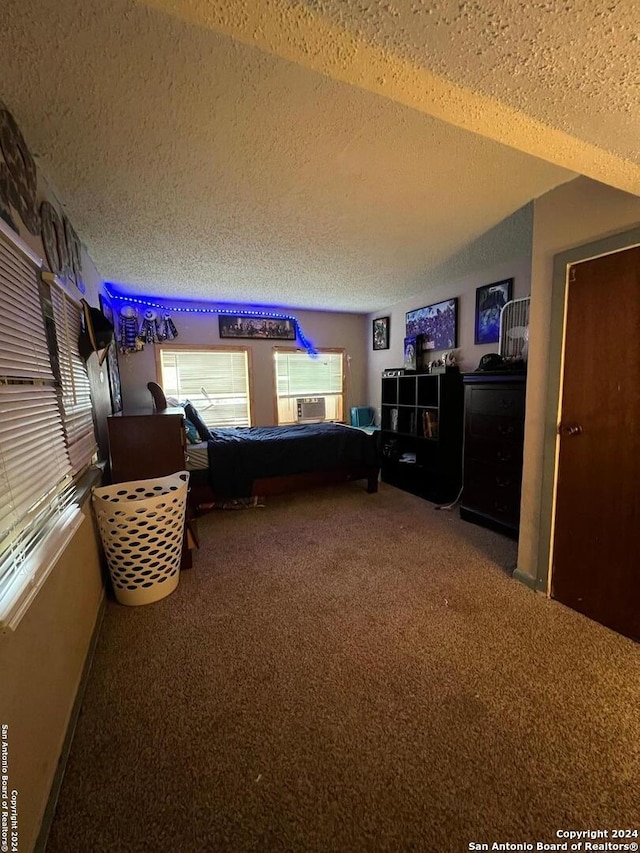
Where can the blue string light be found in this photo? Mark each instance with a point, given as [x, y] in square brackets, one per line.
[235, 312]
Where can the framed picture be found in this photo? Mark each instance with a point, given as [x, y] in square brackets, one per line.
[490, 300]
[438, 323]
[255, 326]
[113, 370]
[381, 333]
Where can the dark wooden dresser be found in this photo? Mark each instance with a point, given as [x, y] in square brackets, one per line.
[146, 443]
[493, 443]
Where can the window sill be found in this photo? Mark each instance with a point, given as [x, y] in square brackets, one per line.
[32, 576]
[93, 476]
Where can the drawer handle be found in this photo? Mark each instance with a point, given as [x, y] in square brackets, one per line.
[500, 507]
[503, 482]
[504, 455]
[506, 404]
[505, 429]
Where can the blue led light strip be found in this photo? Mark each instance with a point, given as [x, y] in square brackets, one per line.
[235, 312]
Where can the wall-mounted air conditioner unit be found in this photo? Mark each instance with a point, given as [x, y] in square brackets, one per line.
[310, 409]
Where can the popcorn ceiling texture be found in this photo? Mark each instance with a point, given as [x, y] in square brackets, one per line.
[573, 65]
[260, 152]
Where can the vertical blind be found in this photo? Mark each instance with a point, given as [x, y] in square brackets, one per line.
[216, 381]
[77, 416]
[35, 482]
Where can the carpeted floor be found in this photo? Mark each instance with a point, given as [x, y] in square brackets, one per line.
[350, 672]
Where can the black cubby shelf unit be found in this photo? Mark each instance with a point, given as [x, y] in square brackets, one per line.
[421, 433]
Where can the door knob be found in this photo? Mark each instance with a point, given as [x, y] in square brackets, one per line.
[569, 429]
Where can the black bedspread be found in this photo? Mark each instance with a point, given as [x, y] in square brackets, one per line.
[240, 455]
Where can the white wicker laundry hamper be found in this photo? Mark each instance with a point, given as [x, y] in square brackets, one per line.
[141, 525]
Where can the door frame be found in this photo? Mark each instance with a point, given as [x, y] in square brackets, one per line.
[561, 264]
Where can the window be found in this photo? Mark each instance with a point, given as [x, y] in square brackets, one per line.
[300, 376]
[77, 413]
[214, 379]
[37, 518]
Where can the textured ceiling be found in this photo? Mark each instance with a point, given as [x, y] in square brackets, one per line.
[575, 66]
[309, 155]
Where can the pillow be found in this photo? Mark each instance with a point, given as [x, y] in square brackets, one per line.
[192, 432]
[192, 414]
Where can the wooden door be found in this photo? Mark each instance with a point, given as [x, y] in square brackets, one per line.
[596, 551]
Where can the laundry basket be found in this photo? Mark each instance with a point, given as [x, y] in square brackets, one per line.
[141, 525]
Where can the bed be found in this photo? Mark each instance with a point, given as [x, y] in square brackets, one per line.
[238, 463]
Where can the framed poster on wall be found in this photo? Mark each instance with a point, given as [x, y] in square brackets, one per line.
[490, 300]
[438, 323]
[256, 327]
[381, 333]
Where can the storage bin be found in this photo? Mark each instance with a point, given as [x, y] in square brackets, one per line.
[141, 525]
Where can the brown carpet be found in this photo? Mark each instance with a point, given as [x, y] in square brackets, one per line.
[350, 672]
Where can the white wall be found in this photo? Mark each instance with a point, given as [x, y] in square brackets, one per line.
[323, 329]
[504, 252]
[567, 217]
[42, 661]
[41, 664]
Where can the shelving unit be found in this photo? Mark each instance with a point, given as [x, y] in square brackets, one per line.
[421, 433]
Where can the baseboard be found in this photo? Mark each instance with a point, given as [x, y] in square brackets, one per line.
[50, 810]
[524, 578]
[474, 517]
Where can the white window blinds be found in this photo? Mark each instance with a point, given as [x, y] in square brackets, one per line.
[77, 416]
[32, 454]
[23, 344]
[216, 381]
[35, 471]
[300, 375]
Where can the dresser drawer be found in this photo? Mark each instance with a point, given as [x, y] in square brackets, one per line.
[493, 490]
[501, 428]
[493, 451]
[495, 401]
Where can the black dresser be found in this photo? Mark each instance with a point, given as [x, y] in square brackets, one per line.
[493, 442]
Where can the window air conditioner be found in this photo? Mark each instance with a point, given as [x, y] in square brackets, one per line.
[310, 409]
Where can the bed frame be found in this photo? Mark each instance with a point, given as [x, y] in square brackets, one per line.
[201, 494]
